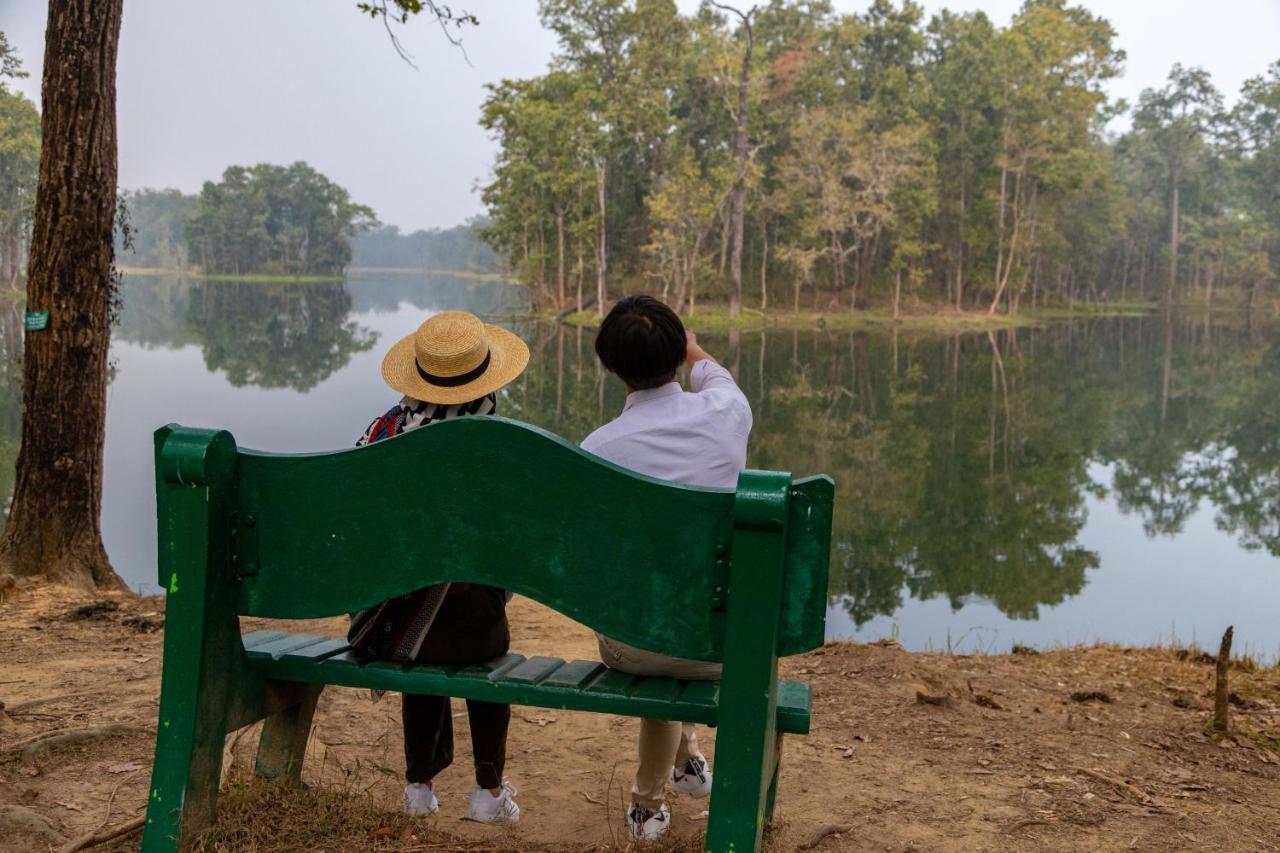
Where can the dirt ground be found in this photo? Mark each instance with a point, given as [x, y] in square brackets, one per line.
[1007, 761]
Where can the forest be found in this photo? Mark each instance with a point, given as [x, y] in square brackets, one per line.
[274, 219]
[758, 157]
[458, 248]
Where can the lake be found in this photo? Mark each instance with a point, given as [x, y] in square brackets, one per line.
[1100, 480]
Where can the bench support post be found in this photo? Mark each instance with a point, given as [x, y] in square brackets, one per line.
[746, 739]
[207, 686]
[284, 737]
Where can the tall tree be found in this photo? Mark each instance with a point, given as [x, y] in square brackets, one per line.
[54, 526]
[1179, 118]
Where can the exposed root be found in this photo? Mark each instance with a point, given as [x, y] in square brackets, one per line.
[33, 751]
[102, 836]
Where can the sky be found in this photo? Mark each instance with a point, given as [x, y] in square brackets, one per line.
[203, 85]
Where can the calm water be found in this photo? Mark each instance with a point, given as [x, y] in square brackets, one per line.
[1111, 480]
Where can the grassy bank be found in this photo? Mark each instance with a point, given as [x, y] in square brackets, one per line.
[940, 320]
[466, 274]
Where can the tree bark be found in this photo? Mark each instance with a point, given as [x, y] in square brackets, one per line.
[560, 271]
[54, 528]
[764, 266]
[1173, 240]
[602, 255]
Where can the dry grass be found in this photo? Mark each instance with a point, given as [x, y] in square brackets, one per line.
[255, 816]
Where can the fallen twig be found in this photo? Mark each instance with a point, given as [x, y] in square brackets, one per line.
[824, 832]
[97, 837]
[1142, 796]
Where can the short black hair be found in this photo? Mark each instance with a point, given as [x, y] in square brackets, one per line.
[642, 341]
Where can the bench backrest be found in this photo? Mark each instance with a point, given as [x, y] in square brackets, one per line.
[487, 500]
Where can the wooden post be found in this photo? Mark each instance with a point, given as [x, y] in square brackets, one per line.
[1221, 690]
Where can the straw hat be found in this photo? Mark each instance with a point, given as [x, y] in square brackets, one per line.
[454, 358]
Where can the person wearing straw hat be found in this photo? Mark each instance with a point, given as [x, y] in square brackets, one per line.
[452, 366]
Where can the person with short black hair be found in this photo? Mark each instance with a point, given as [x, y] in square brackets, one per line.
[696, 437]
[642, 341]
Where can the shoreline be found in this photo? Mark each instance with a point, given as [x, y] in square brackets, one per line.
[715, 318]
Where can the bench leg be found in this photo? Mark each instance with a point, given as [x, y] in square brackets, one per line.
[284, 738]
[188, 765]
[771, 798]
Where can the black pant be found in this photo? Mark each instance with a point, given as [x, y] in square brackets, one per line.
[471, 627]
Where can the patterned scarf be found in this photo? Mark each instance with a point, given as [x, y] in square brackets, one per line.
[410, 414]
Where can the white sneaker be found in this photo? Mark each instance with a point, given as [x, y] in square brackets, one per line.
[646, 824]
[486, 808]
[420, 798]
[693, 779]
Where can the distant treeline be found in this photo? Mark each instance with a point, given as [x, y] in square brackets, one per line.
[457, 248]
[881, 155]
[286, 220]
[283, 220]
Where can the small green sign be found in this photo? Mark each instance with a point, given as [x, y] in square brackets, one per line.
[37, 320]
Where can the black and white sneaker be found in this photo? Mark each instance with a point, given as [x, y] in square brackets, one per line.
[647, 824]
[694, 779]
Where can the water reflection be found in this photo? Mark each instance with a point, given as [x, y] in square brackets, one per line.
[1109, 478]
[966, 467]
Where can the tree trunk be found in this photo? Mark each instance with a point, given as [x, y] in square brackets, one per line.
[579, 281]
[960, 243]
[1004, 183]
[54, 528]
[560, 272]
[897, 293]
[740, 186]
[1173, 240]
[602, 255]
[764, 267]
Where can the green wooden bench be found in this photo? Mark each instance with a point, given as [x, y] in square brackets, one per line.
[710, 574]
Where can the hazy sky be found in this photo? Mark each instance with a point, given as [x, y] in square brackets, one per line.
[206, 84]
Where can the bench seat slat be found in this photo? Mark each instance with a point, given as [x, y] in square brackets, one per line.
[492, 670]
[287, 643]
[574, 674]
[574, 686]
[260, 638]
[611, 682]
[319, 651]
[795, 704]
[702, 693]
[656, 689]
[535, 670]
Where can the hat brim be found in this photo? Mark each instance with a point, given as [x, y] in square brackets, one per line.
[508, 357]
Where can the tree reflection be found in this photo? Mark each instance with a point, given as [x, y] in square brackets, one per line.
[275, 335]
[963, 465]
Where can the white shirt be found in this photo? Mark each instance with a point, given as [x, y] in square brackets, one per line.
[698, 437]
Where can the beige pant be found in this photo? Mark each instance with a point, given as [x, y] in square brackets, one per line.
[664, 744]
